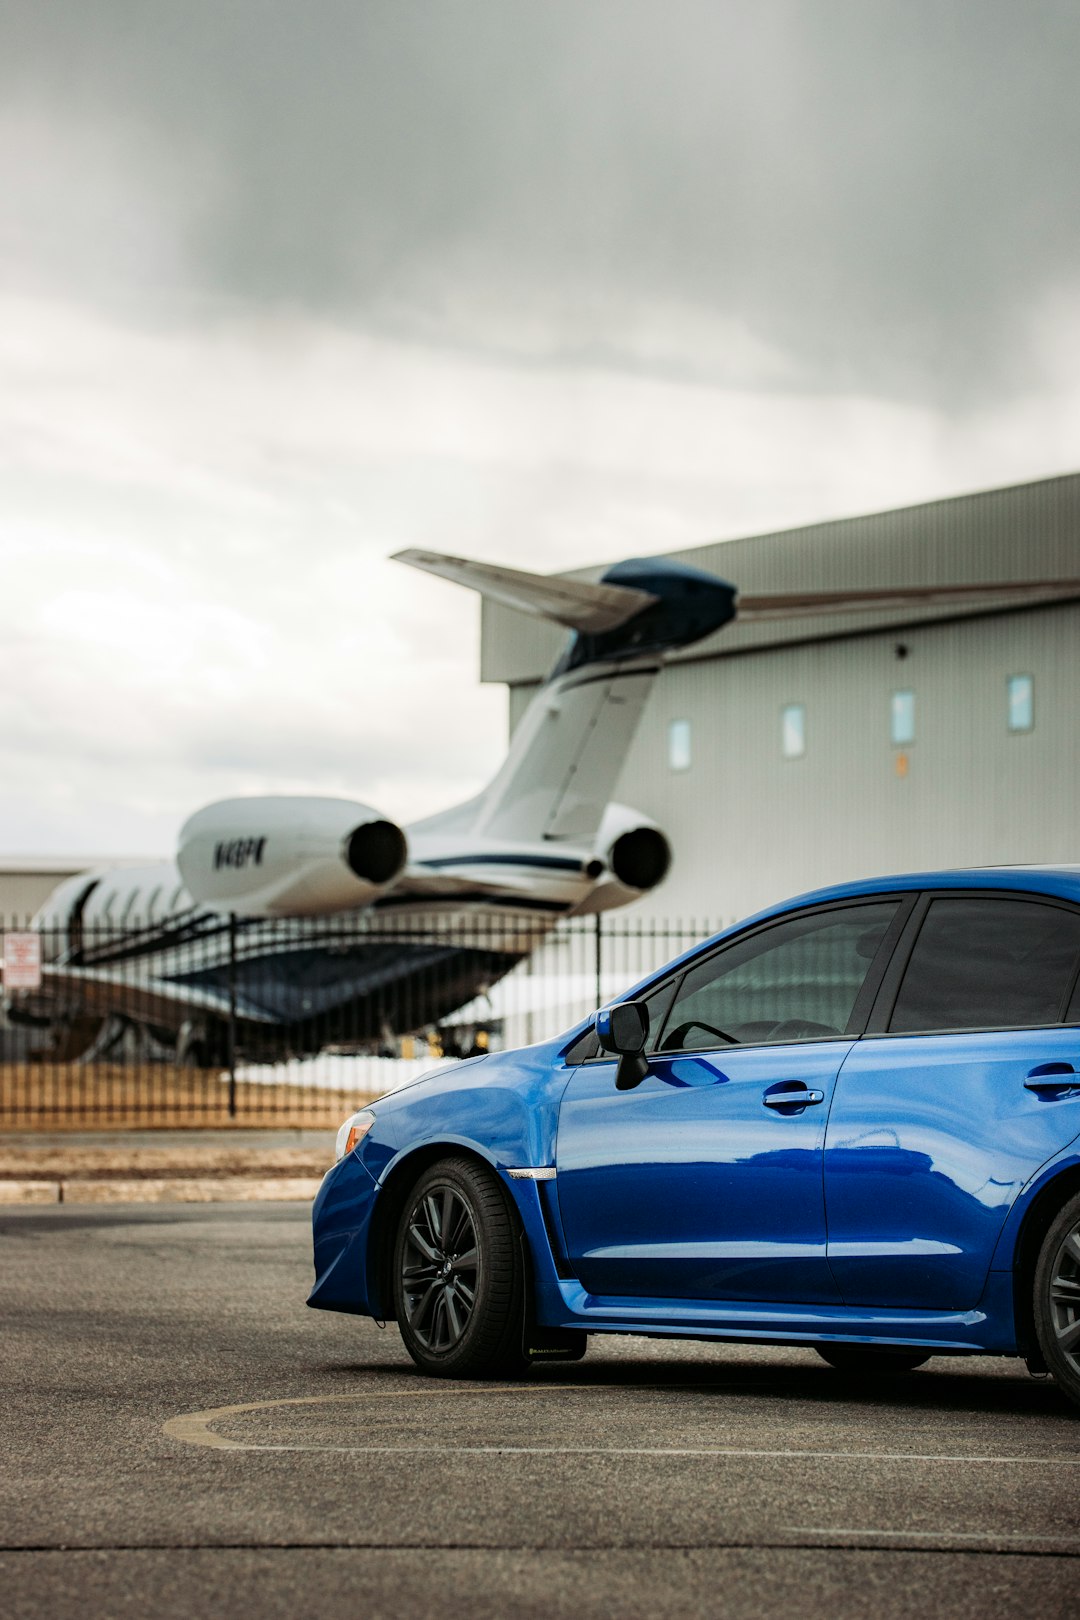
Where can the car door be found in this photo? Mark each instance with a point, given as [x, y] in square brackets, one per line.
[966, 1082]
[705, 1181]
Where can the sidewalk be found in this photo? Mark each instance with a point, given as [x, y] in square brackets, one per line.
[136, 1167]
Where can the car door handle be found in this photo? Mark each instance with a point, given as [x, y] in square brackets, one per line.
[1049, 1078]
[792, 1099]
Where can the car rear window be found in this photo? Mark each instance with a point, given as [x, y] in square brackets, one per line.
[982, 962]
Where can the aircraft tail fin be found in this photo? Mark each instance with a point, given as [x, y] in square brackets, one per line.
[568, 752]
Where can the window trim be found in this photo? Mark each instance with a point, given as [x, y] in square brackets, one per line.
[877, 1027]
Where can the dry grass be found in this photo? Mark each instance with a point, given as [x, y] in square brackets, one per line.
[104, 1096]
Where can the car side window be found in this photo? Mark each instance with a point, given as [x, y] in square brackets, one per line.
[587, 1046]
[796, 981]
[984, 962]
[1073, 1014]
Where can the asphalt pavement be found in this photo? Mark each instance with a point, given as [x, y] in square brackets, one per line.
[180, 1436]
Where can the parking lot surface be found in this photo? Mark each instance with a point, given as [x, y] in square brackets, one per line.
[180, 1435]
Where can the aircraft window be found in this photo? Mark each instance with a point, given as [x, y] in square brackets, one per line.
[982, 962]
[793, 730]
[796, 981]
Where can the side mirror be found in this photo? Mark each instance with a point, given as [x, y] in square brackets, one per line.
[623, 1030]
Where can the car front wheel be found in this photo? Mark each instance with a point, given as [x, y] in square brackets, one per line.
[459, 1290]
[1057, 1299]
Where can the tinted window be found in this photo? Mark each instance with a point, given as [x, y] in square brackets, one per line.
[982, 963]
[798, 980]
[656, 1003]
[585, 1047]
[1073, 1014]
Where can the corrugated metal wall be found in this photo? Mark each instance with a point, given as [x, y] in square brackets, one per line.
[749, 826]
[1031, 531]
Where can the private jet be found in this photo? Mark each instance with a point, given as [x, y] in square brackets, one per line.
[289, 924]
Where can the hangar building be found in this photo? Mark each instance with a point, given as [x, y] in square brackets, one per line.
[785, 755]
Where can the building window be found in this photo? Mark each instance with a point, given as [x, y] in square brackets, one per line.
[1021, 702]
[678, 745]
[902, 718]
[793, 730]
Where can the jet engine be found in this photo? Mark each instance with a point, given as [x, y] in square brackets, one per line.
[633, 856]
[289, 857]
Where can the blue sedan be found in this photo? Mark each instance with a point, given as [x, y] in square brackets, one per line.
[850, 1123]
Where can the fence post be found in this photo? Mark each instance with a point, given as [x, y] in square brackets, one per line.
[232, 1015]
[599, 957]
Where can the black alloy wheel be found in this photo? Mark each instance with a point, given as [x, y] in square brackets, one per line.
[867, 1361]
[459, 1291]
[1057, 1299]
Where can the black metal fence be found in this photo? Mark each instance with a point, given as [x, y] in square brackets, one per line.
[207, 1019]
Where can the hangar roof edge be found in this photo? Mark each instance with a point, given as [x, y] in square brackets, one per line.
[1029, 531]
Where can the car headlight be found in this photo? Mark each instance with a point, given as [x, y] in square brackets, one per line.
[353, 1131]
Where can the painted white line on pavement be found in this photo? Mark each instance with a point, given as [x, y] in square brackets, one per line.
[194, 1429]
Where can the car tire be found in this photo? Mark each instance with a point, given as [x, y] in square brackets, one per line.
[459, 1274]
[1056, 1298]
[863, 1361]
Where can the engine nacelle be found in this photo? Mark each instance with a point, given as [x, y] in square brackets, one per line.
[289, 857]
[633, 857]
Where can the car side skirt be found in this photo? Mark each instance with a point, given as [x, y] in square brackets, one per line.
[562, 1302]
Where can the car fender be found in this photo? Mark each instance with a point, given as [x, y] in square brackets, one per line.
[1005, 1253]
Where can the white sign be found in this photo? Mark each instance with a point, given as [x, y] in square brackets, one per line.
[22, 961]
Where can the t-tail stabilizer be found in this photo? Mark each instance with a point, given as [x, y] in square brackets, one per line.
[568, 751]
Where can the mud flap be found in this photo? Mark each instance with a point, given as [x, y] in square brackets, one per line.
[545, 1344]
[553, 1344]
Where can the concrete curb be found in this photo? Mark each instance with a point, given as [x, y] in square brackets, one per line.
[30, 1192]
[163, 1190]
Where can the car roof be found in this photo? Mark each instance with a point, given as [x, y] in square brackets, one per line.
[1061, 881]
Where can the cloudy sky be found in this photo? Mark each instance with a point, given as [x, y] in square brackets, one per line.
[285, 288]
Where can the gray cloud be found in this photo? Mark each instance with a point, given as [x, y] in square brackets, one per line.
[881, 190]
[286, 288]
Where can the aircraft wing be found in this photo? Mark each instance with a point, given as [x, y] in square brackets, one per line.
[576, 603]
[96, 992]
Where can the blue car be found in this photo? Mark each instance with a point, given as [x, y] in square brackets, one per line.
[851, 1123]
